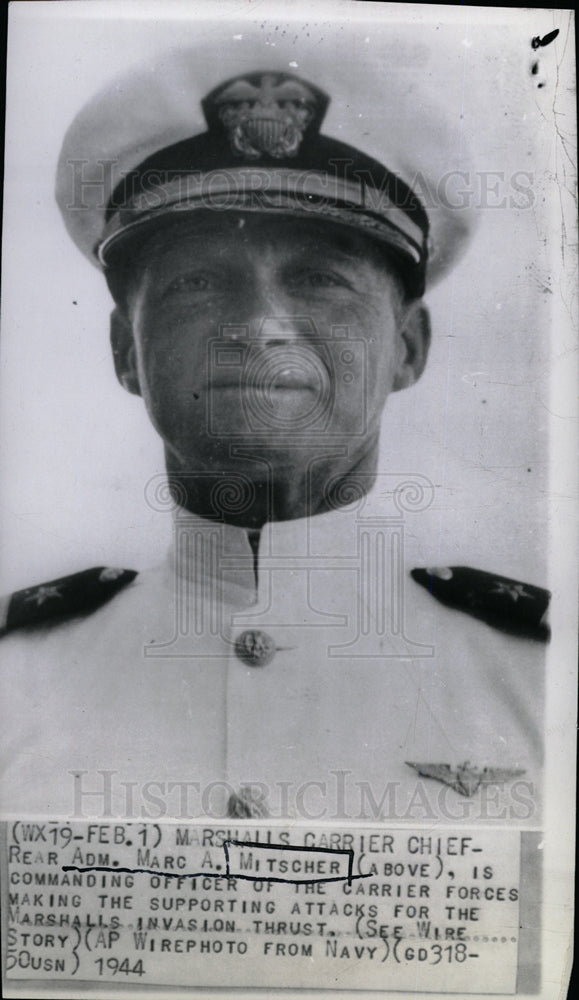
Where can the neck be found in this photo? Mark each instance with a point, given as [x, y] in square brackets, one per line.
[256, 490]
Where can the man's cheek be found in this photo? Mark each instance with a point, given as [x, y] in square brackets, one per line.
[359, 315]
[169, 366]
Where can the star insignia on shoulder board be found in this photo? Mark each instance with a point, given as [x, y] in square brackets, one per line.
[58, 600]
[466, 780]
[514, 590]
[45, 593]
[508, 605]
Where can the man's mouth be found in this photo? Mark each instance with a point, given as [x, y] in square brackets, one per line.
[284, 381]
[273, 371]
[287, 379]
[285, 388]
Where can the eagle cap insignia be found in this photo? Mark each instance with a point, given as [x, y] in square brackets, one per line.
[265, 113]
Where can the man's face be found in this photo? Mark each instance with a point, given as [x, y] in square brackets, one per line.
[272, 332]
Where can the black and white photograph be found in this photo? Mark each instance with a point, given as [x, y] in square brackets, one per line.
[288, 504]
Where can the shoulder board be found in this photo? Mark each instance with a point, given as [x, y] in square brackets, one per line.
[509, 605]
[78, 594]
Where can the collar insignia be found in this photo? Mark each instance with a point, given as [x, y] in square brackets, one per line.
[265, 113]
[466, 780]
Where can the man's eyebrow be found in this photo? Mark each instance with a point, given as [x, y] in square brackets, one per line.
[341, 244]
[347, 253]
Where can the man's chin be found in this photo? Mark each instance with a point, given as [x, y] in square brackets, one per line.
[256, 451]
[274, 417]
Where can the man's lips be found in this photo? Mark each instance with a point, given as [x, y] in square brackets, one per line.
[278, 382]
[275, 370]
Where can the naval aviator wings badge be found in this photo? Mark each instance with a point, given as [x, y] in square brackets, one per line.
[466, 780]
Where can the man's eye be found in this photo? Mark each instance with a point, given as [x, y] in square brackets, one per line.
[189, 282]
[322, 279]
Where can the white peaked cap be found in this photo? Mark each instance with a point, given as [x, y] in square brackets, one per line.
[382, 106]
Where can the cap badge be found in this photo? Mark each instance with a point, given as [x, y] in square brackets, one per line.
[265, 113]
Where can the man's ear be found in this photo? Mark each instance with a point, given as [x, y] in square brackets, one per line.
[124, 352]
[414, 341]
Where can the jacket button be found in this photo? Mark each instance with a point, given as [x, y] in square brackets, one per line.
[255, 648]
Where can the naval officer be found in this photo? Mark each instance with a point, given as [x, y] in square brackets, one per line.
[267, 281]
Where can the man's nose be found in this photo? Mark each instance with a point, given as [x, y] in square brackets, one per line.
[279, 328]
[274, 321]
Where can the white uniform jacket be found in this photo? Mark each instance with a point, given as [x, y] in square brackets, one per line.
[325, 677]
